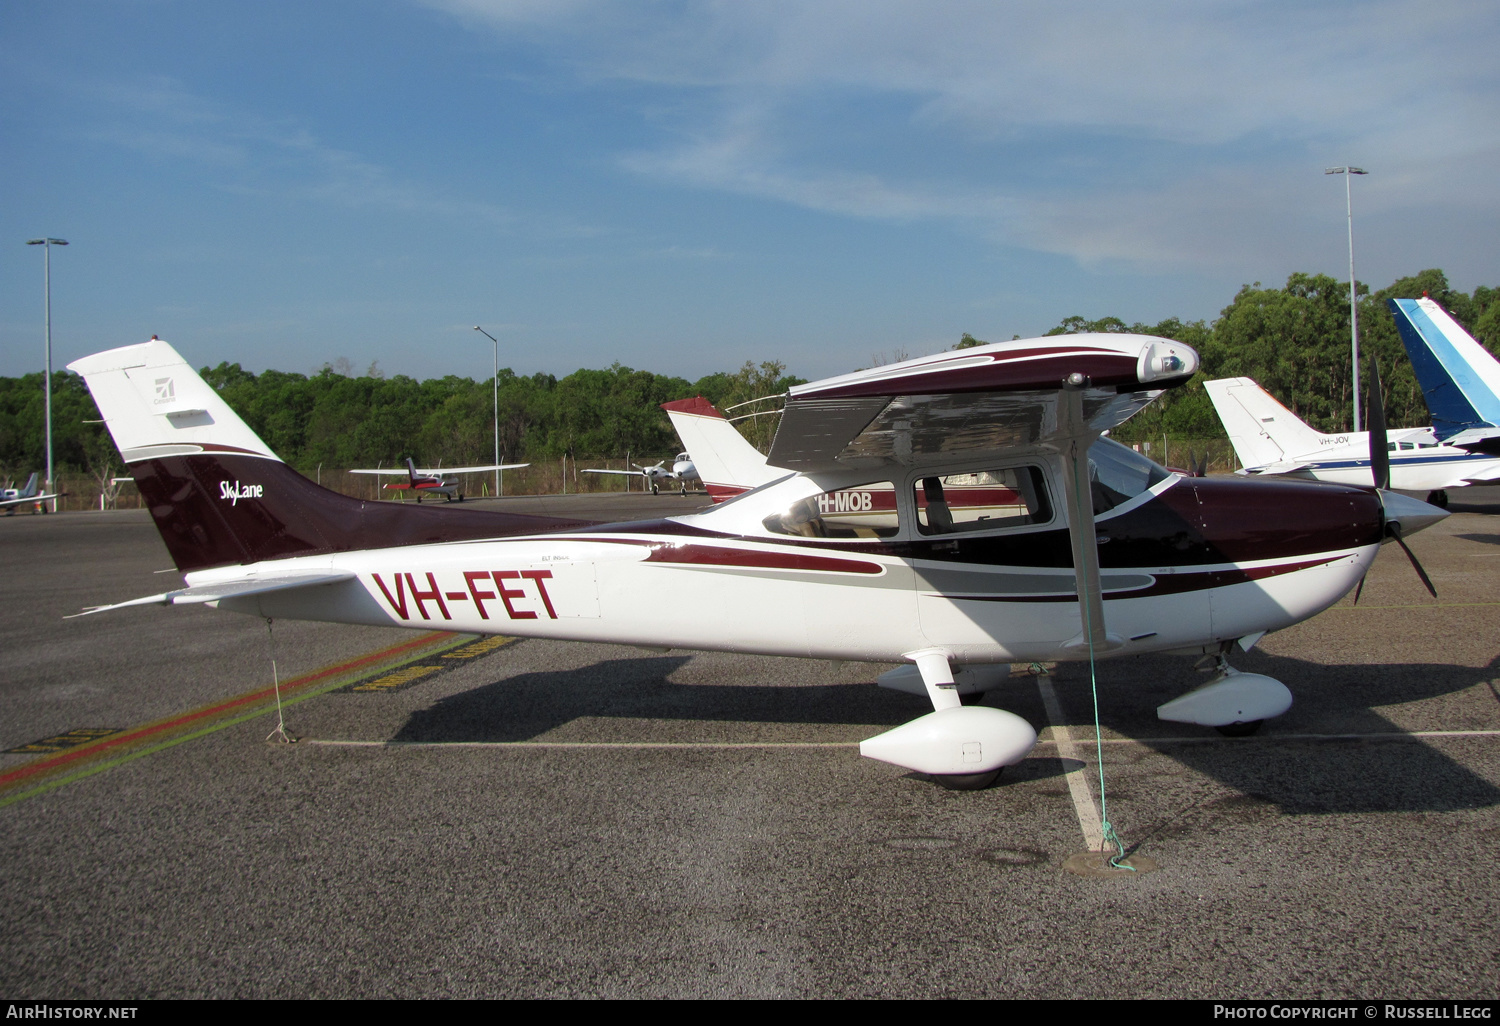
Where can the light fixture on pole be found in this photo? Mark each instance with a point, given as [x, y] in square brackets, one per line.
[47, 245]
[495, 340]
[1348, 173]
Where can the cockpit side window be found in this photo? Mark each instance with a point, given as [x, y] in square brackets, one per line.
[866, 511]
[982, 501]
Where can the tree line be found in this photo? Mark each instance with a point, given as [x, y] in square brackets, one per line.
[1294, 340]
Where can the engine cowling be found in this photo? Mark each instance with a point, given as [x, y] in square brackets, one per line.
[971, 739]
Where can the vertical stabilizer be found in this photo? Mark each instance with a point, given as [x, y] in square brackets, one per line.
[1460, 379]
[1262, 430]
[219, 495]
[726, 462]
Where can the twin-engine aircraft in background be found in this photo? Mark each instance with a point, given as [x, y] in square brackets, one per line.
[436, 481]
[1096, 551]
[1460, 381]
[11, 498]
[682, 471]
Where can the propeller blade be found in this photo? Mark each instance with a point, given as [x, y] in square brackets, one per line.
[1360, 588]
[1415, 565]
[1380, 454]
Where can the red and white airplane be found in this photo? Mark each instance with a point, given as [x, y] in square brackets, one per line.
[1100, 552]
[436, 481]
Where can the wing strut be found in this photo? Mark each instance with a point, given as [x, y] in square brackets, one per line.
[1077, 437]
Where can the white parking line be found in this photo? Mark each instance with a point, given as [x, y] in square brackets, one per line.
[1062, 738]
[1078, 784]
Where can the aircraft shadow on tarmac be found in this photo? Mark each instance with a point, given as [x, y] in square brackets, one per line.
[1295, 776]
[1487, 539]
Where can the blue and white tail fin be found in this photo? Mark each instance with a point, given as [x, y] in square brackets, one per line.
[1460, 379]
[1264, 432]
[726, 463]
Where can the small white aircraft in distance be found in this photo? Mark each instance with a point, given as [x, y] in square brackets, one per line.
[1100, 553]
[681, 471]
[1269, 439]
[10, 498]
[436, 481]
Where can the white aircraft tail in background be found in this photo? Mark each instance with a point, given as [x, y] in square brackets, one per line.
[1270, 439]
[727, 463]
[1266, 435]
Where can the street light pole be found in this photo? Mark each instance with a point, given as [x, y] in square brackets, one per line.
[47, 245]
[1348, 173]
[495, 340]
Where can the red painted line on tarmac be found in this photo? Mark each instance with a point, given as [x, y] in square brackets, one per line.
[249, 698]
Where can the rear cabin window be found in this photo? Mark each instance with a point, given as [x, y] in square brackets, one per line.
[864, 511]
[982, 501]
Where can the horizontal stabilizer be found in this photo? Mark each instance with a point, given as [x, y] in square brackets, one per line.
[199, 593]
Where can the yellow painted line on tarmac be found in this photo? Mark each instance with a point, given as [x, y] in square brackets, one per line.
[43, 775]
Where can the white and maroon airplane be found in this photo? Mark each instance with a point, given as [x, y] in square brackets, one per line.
[954, 592]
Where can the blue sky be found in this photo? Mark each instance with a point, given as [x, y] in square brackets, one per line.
[683, 186]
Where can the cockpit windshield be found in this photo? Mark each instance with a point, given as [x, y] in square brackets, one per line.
[1118, 474]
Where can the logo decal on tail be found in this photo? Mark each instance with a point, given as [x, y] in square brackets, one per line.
[165, 392]
[233, 493]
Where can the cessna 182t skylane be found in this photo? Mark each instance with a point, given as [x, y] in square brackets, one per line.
[1164, 563]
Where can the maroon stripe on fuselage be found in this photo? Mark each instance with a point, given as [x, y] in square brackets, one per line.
[720, 555]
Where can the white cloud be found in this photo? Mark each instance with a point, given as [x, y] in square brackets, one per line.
[248, 153]
[1148, 132]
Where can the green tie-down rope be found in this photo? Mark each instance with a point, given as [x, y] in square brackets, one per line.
[1110, 837]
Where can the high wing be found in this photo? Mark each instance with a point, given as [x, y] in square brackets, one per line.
[235, 588]
[994, 399]
[997, 400]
